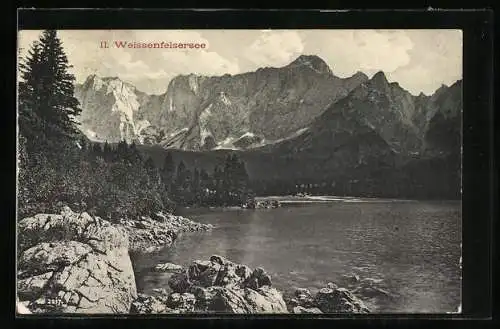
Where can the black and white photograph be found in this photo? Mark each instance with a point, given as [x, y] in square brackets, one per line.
[219, 171]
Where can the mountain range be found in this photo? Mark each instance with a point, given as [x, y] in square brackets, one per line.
[295, 121]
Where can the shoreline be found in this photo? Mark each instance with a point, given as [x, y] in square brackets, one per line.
[218, 285]
[73, 263]
[290, 200]
[333, 198]
[76, 247]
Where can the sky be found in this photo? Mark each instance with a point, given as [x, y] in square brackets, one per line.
[419, 60]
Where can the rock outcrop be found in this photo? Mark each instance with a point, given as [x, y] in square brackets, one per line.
[150, 234]
[374, 292]
[216, 286]
[330, 299]
[74, 263]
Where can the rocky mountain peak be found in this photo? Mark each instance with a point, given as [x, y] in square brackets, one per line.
[313, 62]
[360, 75]
[379, 79]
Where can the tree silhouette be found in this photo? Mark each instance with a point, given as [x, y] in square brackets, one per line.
[168, 171]
[46, 90]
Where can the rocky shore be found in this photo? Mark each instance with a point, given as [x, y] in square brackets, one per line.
[150, 234]
[219, 285]
[75, 263]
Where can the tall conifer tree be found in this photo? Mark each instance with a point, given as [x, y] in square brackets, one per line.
[46, 89]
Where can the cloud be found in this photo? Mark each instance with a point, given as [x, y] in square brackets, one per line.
[199, 62]
[436, 59]
[420, 60]
[274, 48]
[349, 51]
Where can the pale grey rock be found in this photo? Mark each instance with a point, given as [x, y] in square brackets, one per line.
[246, 300]
[167, 267]
[49, 257]
[303, 310]
[82, 267]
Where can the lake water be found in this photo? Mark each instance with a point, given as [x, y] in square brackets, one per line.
[411, 248]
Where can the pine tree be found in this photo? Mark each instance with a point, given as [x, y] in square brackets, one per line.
[168, 171]
[46, 88]
[205, 186]
[181, 183]
[150, 165]
[196, 187]
[28, 99]
[218, 184]
[107, 151]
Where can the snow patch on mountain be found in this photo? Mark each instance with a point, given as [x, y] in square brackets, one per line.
[205, 114]
[226, 144]
[203, 120]
[247, 134]
[97, 83]
[141, 125]
[295, 134]
[193, 83]
[223, 98]
[204, 133]
[178, 132]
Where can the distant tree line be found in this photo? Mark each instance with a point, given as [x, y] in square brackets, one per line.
[227, 185]
[420, 179]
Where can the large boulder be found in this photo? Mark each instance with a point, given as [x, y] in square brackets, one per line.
[330, 299]
[145, 304]
[301, 297]
[219, 285]
[74, 263]
[218, 271]
[181, 303]
[246, 300]
[339, 300]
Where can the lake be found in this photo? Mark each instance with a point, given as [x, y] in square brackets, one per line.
[410, 248]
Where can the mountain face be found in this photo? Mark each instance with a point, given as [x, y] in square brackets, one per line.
[202, 113]
[392, 112]
[409, 125]
[297, 122]
[113, 110]
[268, 104]
[411, 148]
[443, 132]
[266, 107]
